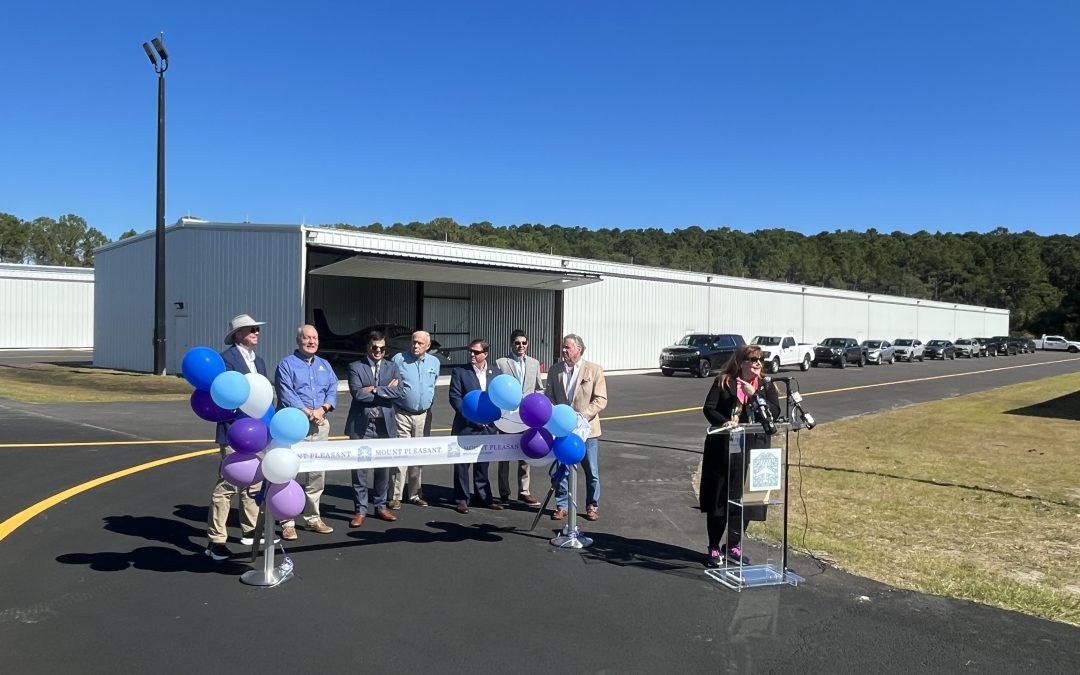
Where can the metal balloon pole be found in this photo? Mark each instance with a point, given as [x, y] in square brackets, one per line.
[268, 575]
[571, 536]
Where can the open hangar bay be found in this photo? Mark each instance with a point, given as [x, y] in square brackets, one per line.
[345, 281]
[114, 578]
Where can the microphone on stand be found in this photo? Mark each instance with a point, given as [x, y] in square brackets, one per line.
[795, 399]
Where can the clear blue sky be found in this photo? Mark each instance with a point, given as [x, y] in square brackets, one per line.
[807, 114]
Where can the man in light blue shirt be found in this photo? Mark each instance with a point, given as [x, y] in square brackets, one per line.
[308, 383]
[417, 372]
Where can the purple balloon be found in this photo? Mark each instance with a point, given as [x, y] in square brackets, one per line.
[535, 410]
[203, 406]
[248, 435]
[286, 500]
[536, 443]
[241, 470]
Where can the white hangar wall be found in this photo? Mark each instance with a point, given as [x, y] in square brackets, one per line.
[46, 307]
[213, 272]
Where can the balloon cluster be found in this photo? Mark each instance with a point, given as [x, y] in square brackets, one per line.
[247, 400]
[549, 436]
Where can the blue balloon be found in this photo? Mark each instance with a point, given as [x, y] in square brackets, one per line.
[289, 426]
[505, 391]
[478, 408]
[563, 420]
[569, 449]
[268, 416]
[200, 366]
[230, 389]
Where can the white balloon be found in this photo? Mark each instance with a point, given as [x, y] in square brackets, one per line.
[510, 423]
[260, 398]
[280, 465]
[546, 460]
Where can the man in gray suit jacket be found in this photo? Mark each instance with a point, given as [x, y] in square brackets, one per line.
[526, 370]
[373, 383]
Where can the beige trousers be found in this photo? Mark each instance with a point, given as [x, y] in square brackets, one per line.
[221, 503]
[313, 482]
[409, 425]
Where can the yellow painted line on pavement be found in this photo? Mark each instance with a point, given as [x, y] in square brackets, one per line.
[14, 522]
[17, 520]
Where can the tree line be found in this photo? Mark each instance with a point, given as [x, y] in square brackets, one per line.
[1036, 277]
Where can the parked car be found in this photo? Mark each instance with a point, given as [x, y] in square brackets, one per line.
[699, 353]
[1056, 342]
[1030, 344]
[908, 349]
[940, 349]
[783, 351]
[999, 345]
[968, 347]
[1021, 345]
[879, 351]
[839, 352]
[984, 349]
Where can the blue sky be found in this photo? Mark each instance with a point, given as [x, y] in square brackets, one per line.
[807, 115]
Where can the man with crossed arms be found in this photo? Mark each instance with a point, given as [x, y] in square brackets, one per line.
[526, 370]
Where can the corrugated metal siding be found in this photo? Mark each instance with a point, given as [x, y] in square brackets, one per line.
[45, 307]
[124, 306]
[351, 304]
[217, 273]
[773, 313]
[889, 321]
[936, 323]
[835, 317]
[494, 312]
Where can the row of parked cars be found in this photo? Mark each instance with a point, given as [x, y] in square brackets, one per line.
[701, 354]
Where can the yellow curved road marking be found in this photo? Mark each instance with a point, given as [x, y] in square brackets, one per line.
[14, 522]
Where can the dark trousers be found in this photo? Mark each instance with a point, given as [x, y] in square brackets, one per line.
[481, 486]
[376, 428]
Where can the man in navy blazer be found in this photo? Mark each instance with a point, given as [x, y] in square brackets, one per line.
[464, 379]
[373, 383]
[243, 336]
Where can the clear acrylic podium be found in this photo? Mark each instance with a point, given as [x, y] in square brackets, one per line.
[764, 482]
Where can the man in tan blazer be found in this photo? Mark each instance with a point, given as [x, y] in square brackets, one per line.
[581, 384]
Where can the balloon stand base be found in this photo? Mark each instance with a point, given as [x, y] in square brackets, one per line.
[571, 537]
[274, 577]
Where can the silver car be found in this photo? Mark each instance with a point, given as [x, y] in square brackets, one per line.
[969, 348]
[879, 351]
[908, 349]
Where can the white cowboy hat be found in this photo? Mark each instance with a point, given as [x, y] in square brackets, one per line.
[240, 321]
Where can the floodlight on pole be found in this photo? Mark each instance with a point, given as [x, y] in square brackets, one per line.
[159, 57]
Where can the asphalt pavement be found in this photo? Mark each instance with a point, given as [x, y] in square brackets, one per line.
[113, 578]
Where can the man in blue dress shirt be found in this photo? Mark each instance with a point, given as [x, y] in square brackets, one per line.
[417, 371]
[307, 382]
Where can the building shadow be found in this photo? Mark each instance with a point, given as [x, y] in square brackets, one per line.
[1065, 407]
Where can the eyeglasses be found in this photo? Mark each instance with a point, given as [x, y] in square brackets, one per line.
[520, 343]
[755, 359]
[477, 352]
[378, 348]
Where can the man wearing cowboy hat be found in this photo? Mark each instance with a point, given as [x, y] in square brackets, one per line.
[243, 338]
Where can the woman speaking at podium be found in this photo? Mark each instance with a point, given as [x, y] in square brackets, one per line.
[730, 402]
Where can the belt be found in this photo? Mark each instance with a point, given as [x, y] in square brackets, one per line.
[410, 412]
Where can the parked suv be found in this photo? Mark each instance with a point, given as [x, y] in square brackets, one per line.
[969, 348]
[940, 349]
[1000, 345]
[879, 351]
[908, 349]
[699, 353]
[839, 352]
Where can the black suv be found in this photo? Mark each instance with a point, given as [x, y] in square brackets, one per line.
[1001, 345]
[699, 354]
[839, 352]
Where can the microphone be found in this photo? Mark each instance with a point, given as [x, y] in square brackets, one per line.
[796, 401]
[764, 415]
[768, 379]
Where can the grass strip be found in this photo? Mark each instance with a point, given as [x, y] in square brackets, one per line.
[59, 383]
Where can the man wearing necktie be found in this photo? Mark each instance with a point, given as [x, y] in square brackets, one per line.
[373, 383]
[475, 375]
[581, 385]
[526, 370]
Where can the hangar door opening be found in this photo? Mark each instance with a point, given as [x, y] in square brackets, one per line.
[347, 295]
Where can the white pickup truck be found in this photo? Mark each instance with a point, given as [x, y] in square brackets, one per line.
[784, 351]
[1059, 343]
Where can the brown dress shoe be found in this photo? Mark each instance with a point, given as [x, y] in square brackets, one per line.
[288, 533]
[394, 504]
[590, 512]
[494, 505]
[461, 508]
[418, 501]
[384, 514]
[527, 498]
[320, 527]
[357, 520]
[560, 514]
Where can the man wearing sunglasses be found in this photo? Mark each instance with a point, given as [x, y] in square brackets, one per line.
[373, 383]
[242, 338]
[475, 375]
[525, 370]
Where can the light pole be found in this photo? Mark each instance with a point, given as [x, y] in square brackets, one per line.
[159, 57]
